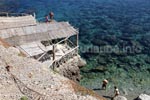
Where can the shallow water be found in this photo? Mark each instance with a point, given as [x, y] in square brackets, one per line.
[118, 29]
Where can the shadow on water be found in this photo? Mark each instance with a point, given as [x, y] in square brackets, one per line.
[100, 89]
[108, 97]
[97, 89]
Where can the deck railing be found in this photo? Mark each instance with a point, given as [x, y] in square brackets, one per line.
[68, 43]
[70, 54]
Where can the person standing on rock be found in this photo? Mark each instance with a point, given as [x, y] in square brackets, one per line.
[104, 85]
[46, 19]
[116, 91]
[51, 14]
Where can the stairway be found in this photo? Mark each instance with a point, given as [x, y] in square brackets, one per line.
[33, 95]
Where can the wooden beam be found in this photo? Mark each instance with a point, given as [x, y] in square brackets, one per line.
[54, 52]
[77, 41]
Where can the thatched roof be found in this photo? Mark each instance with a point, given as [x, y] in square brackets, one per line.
[18, 35]
[14, 22]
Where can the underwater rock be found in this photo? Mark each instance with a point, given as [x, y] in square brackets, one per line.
[131, 89]
[124, 60]
[143, 97]
[125, 38]
[147, 60]
[147, 91]
[101, 61]
[145, 41]
[125, 92]
[98, 42]
[146, 50]
[118, 54]
[99, 69]
[112, 40]
[148, 69]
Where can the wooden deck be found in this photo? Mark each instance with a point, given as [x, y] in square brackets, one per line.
[39, 32]
[63, 52]
[64, 58]
[26, 34]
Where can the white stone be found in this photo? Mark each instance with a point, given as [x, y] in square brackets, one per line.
[143, 97]
[120, 98]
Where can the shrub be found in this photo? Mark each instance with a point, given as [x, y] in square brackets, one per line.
[23, 98]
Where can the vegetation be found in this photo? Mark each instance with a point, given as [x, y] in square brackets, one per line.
[24, 98]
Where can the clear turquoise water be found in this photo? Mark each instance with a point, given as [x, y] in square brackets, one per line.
[119, 23]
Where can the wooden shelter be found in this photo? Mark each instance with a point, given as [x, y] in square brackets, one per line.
[25, 33]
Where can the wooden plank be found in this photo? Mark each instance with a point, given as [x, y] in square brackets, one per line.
[32, 49]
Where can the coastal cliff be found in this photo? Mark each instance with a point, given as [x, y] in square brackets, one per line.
[71, 69]
[26, 77]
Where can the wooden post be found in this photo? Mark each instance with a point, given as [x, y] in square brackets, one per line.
[54, 52]
[34, 15]
[7, 14]
[66, 40]
[77, 40]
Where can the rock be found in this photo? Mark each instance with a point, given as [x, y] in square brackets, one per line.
[147, 60]
[145, 41]
[99, 42]
[13, 50]
[131, 89]
[147, 91]
[99, 69]
[125, 92]
[143, 97]
[81, 62]
[71, 70]
[125, 38]
[101, 61]
[120, 98]
[111, 39]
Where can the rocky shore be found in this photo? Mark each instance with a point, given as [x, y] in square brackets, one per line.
[125, 95]
[71, 69]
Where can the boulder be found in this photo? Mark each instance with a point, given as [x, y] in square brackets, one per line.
[120, 98]
[143, 97]
[125, 92]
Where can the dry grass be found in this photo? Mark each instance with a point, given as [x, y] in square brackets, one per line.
[4, 43]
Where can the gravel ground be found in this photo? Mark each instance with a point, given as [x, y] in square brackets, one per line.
[33, 79]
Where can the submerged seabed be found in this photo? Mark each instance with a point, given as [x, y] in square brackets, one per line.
[114, 37]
